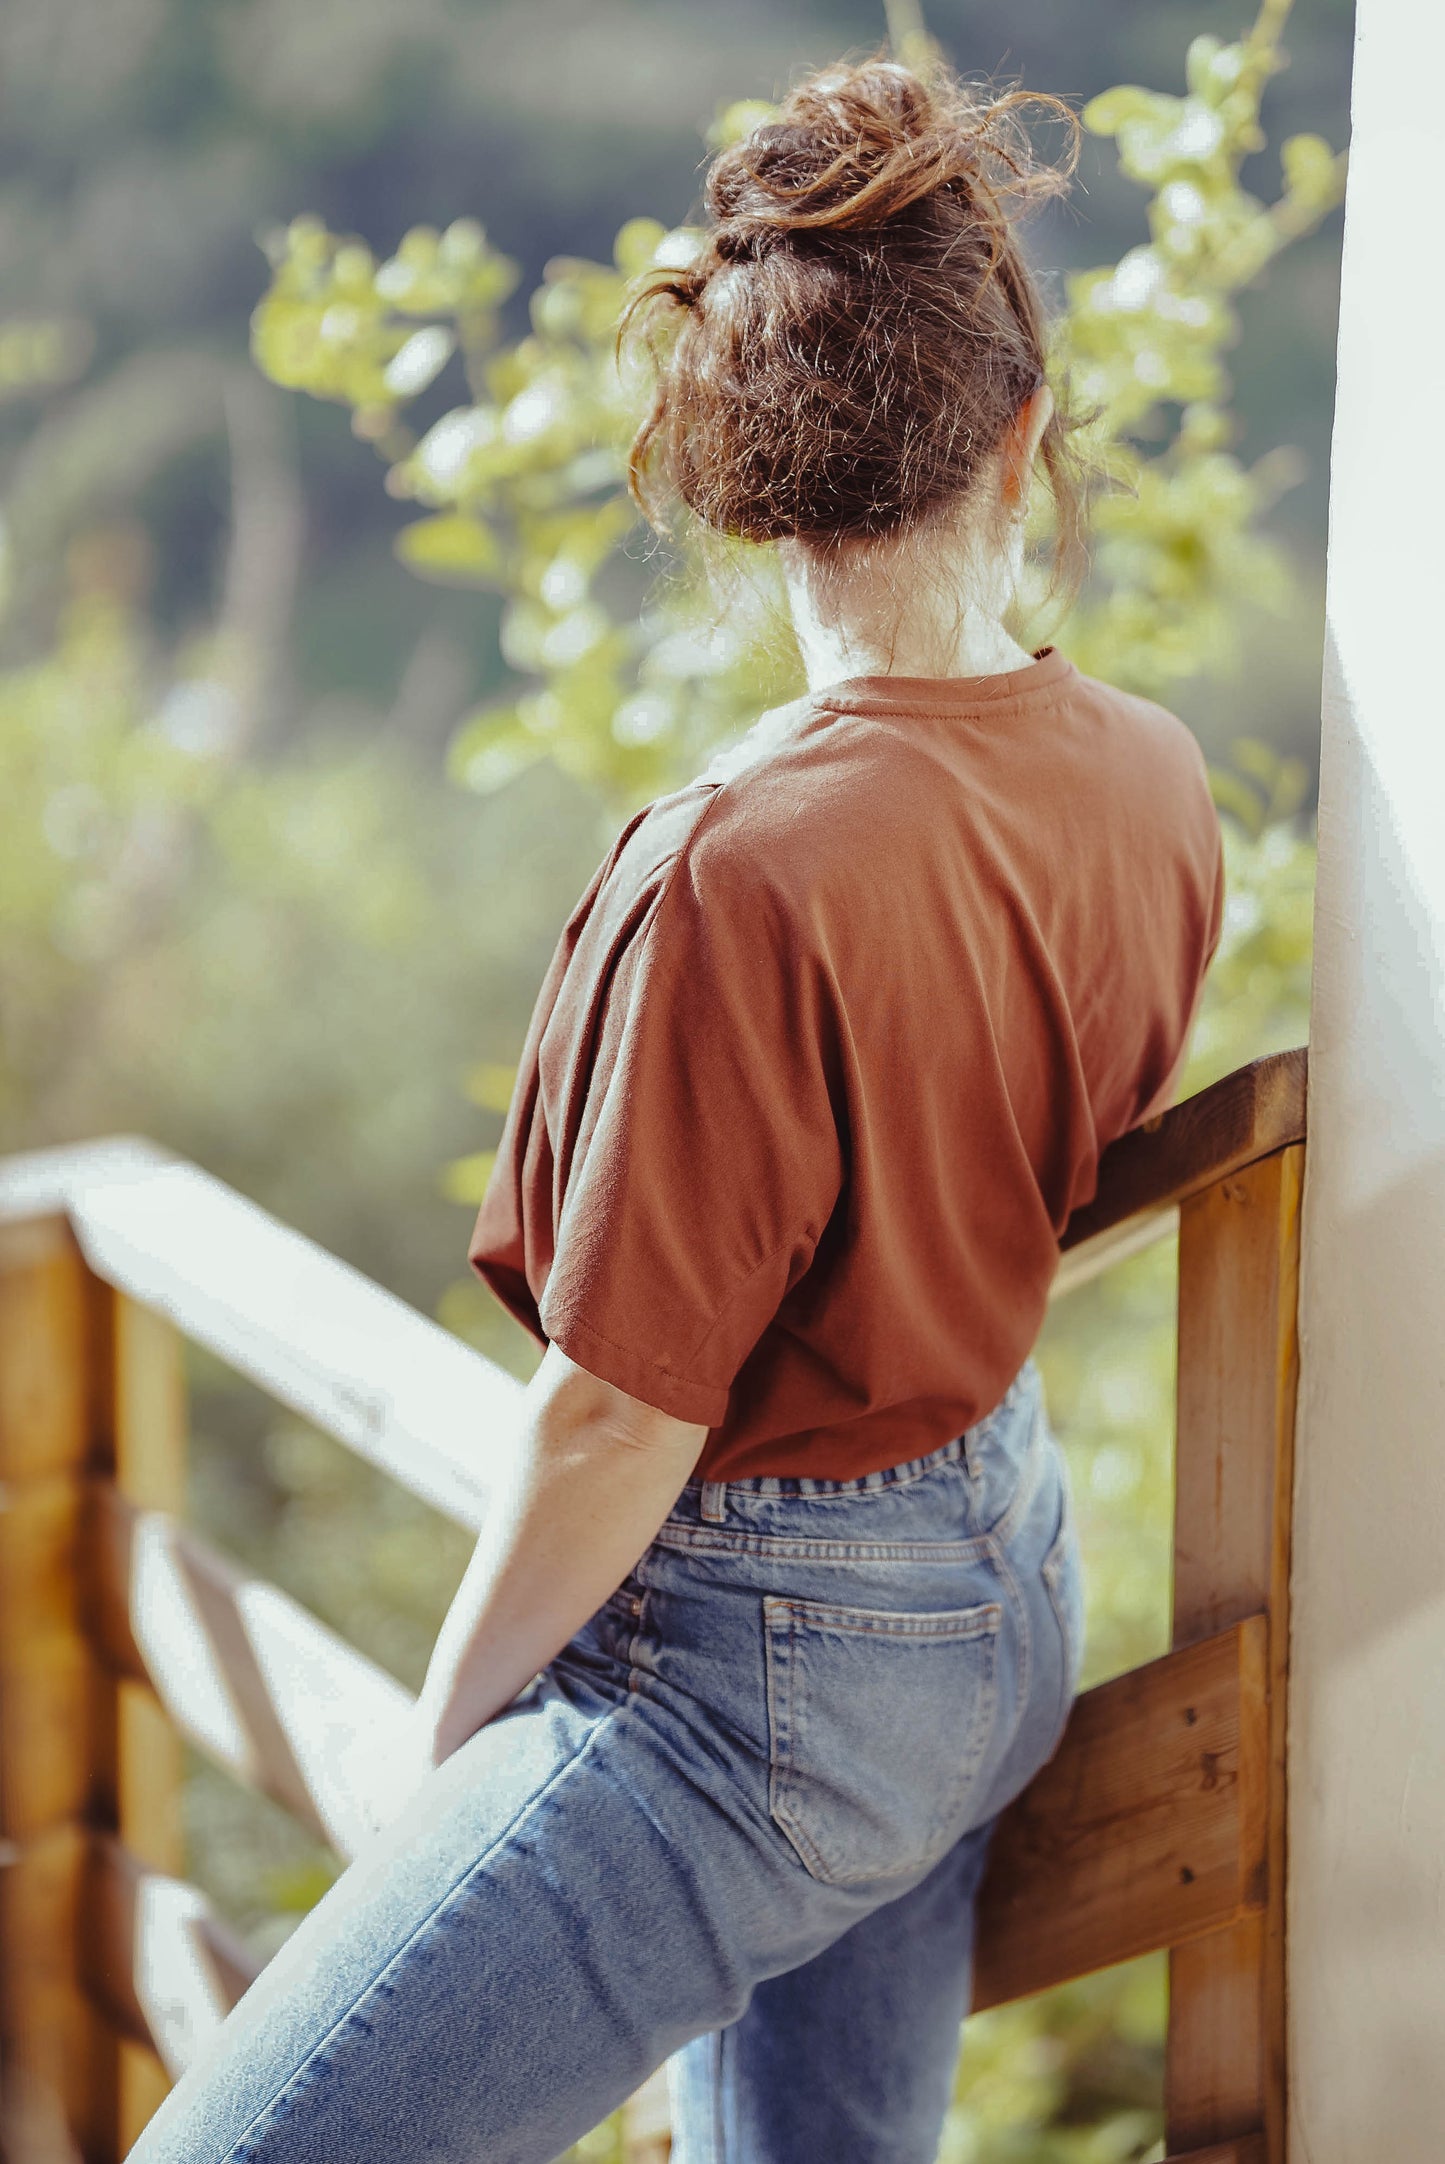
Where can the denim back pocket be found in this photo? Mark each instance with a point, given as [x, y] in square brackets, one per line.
[879, 1724]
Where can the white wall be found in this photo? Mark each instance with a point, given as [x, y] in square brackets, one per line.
[1367, 1699]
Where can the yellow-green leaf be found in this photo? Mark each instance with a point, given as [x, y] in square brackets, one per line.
[465, 1178]
[451, 548]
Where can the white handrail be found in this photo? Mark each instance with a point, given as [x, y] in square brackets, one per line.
[394, 1387]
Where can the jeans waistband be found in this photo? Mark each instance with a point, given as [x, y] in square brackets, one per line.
[707, 1501]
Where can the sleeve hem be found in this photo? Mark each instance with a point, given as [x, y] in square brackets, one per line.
[638, 1376]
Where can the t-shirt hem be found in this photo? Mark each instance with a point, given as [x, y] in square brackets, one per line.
[637, 1375]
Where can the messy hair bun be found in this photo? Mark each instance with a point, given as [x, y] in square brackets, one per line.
[860, 326]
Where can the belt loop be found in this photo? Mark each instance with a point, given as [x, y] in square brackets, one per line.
[714, 1502]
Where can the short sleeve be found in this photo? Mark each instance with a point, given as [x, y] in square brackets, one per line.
[698, 1154]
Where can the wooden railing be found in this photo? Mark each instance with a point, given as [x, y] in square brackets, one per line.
[1159, 1822]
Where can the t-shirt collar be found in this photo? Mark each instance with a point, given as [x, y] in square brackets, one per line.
[944, 694]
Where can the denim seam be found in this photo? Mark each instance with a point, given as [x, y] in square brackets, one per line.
[1026, 1657]
[780, 1754]
[239, 2149]
[780, 1727]
[949, 1624]
[1026, 1486]
[1051, 1571]
[637, 1675]
[796, 1548]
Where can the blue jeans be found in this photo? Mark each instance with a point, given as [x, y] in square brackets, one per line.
[737, 1825]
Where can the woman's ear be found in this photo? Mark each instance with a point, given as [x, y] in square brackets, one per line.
[1021, 445]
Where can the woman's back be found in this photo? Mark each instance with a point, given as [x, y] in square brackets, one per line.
[871, 995]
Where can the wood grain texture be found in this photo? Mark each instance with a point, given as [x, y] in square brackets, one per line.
[1146, 1827]
[58, 2070]
[1246, 1115]
[1238, 1361]
[46, 1402]
[148, 1421]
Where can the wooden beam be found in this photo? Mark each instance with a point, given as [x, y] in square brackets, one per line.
[1245, 1116]
[1238, 1286]
[1248, 2150]
[1146, 1827]
[1090, 1258]
[407, 1395]
[397, 1389]
[158, 1962]
[59, 2075]
[246, 1673]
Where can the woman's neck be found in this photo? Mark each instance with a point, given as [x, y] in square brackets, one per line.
[981, 647]
[896, 613]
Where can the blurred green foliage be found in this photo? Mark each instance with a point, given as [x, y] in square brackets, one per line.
[523, 482]
[281, 967]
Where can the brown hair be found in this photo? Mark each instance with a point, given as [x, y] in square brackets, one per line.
[860, 326]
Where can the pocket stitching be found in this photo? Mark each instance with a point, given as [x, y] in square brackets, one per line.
[984, 1621]
[947, 1623]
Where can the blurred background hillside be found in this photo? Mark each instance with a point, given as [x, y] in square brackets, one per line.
[146, 145]
[245, 906]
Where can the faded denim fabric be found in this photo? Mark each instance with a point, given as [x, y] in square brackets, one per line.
[738, 1825]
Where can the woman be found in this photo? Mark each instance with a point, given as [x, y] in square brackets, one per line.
[778, 1602]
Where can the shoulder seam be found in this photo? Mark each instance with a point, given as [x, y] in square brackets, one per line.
[676, 857]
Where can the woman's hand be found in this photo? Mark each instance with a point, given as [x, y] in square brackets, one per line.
[590, 1477]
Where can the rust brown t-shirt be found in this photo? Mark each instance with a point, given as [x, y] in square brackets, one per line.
[830, 1046]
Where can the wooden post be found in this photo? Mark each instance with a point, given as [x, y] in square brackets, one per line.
[57, 1707]
[89, 1390]
[1238, 1360]
[148, 1385]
